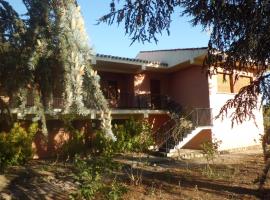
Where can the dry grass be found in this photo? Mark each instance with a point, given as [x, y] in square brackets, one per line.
[231, 177]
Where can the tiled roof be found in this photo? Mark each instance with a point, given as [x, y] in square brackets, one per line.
[179, 49]
[135, 60]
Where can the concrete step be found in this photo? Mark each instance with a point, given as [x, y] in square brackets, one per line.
[186, 154]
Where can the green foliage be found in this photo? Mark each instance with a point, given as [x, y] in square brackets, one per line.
[133, 135]
[16, 145]
[48, 55]
[239, 39]
[115, 191]
[74, 145]
[210, 151]
[92, 175]
[182, 126]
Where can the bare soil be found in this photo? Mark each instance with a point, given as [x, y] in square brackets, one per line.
[231, 176]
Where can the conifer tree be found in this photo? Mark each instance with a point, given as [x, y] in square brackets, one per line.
[82, 89]
[52, 36]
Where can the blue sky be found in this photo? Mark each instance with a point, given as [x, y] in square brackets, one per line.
[113, 41]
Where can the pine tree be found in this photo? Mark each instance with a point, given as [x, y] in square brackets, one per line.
[31, 48]
[82, 89]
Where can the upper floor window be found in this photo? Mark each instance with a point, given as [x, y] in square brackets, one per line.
[240, 82]
[228, 84]
[224, 83]
[110, 89]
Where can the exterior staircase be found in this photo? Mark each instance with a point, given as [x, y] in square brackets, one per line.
[180, 129]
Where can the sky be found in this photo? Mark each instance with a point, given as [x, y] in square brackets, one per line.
[112, 40]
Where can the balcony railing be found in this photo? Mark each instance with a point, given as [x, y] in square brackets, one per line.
[56, 103]
[123, 101]
[139, 101]
[201, 117]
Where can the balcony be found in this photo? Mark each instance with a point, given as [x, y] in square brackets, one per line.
[123, 101]
[55, 103]
[200, 117]
[139, 101]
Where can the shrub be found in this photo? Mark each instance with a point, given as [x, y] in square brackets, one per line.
[182, 127]
[92, 175]
[210, 151]
[16, 145]
[74, 145]
[131, 136]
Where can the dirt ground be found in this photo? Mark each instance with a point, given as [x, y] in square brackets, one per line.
[149, 178]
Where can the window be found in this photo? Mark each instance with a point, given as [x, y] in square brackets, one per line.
[111, 92]
[240, 82]
[224, 83]
[229, 84]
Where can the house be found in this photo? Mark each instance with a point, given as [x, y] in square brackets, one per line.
[156, 83]
[163, 87]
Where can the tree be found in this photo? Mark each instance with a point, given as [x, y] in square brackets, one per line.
[48, 49]
[239, 40]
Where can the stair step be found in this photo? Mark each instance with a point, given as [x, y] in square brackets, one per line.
[186, 154]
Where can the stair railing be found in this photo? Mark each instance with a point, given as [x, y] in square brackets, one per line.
[165, 130]
[197, 117]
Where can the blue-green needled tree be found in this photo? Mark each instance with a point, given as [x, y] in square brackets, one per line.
[46, 54]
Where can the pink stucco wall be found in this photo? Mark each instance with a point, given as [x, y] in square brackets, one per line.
[142, 82]
[196, 142]
[189, 87]
[57, 137]
[157, 120]
[124, 81]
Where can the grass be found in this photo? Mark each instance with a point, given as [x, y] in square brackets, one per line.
[231, 177]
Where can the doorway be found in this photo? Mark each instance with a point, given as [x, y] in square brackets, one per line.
[155, 94]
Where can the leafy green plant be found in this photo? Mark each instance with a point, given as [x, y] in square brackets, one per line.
[16, 145]
[210, 151]
[74, 145]
[92, 175]
[115, 191]
[183, 126]
[133, 135]
[135, 175]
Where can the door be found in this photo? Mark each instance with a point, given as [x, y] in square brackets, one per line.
[110, 91]
[155, 94]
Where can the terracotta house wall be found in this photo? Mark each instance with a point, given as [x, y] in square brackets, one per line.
[124, 81]
[142, 82]
[189, 87]
[157, 120]
[200, 138]
[57, 136]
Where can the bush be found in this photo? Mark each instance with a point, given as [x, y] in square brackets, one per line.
[16, 145]
[74, 145]
[131, 136]
[93, 177]
[210, 151]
